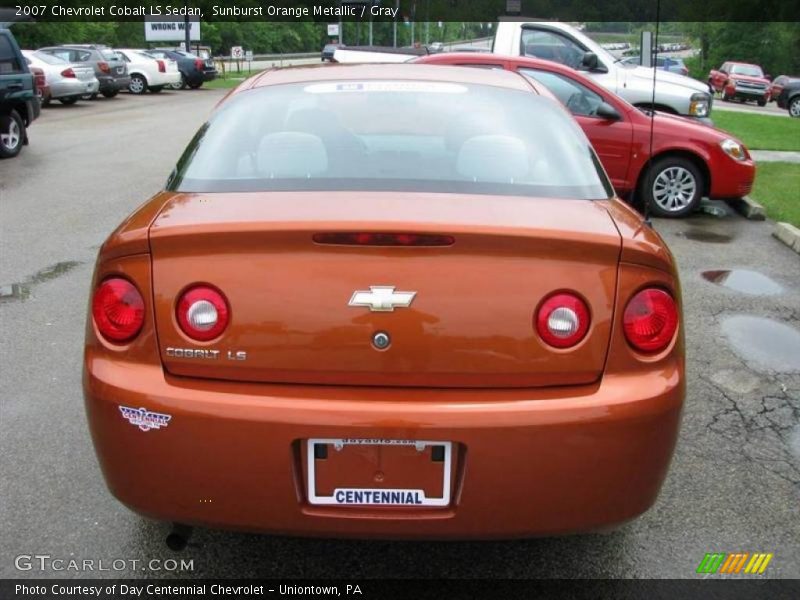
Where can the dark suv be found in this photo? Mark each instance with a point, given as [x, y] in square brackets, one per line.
[19, 104]
[109, 68]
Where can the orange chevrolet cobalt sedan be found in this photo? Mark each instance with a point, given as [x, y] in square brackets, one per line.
[386, 301]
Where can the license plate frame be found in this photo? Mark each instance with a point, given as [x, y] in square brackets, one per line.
[319, 500]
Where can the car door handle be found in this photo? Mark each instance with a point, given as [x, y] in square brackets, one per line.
[14, 86]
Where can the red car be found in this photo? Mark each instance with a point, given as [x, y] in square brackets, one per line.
[689, 160]
[740, 81]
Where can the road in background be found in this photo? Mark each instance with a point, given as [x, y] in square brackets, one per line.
[733, 485]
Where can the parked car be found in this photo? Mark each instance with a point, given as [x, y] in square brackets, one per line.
[19, 105]
[562, 43]
[67, 82]
[148, 72]
[667, 63]
[328, 50]
[194, 70]
[109, 68]
[777, 85]
[789, 98]
[40, 84]
[740, 81]
[453, 290]
[689, 159]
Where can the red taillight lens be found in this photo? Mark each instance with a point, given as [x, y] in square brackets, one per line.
[68, 73]
[118, 309]
[203, 313]
[562, 320]
[383, 239]
[104, 67]
[199, 64]
[162, 68]
[650, 320]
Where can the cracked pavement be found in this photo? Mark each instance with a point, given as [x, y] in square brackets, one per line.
[734, 485]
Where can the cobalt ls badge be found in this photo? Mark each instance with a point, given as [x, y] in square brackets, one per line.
[144, 419]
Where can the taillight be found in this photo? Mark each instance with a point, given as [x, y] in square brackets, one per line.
[650, 320]
[383, 239]
[162, 68]
[68, 73]
[103, 66]
[199, 64]
[118, 309]
[202, 313]
[562, 320]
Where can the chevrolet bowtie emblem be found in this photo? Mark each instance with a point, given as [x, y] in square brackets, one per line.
[381, 298]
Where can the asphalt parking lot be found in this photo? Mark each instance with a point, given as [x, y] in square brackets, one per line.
[734, 485]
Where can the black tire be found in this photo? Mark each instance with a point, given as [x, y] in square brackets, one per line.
[89, 96]
[110, 93]
[725, 97]
[762, 102]
[794, 107]
[138, 85]
[155, 89]
[12, 134]
[196, 85]
[68, 101]
[665, 187]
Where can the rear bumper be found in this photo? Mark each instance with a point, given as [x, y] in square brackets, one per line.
[527, 462]
[69, 88]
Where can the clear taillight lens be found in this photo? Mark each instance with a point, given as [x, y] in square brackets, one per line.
[203, 313]
[562, 320]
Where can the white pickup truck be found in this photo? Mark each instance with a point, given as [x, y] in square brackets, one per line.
[563, 43]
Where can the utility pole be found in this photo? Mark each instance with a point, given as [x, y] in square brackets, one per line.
[187, 29]
[394, 24]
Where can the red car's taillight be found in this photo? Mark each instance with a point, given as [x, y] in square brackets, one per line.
[68, 73]
[162, 68]
[118, 310]
[202, 313]
[650, 320]
[199, 64]
[562, 320]
[103, 66]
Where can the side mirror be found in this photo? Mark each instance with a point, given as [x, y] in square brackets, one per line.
[608, 112]
[589, 61]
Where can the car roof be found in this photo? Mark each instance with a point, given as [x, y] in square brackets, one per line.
[401, 71]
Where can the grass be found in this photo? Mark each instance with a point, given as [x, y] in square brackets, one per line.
[231, 80]
[777, 187]
[760, 132]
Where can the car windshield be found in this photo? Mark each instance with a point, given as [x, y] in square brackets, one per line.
[392, 135]
[748, 70]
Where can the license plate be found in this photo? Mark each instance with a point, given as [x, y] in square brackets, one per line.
[369, 472]
[120, 70]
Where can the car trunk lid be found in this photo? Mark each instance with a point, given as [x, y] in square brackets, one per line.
[470, 323]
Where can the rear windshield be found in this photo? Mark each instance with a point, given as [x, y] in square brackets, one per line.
[49, 58]
[392, 135]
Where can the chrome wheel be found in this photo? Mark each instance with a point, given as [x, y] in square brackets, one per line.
[12, 137]
[674, 188]
[794, 108]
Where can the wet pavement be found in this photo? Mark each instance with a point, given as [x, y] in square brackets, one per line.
[734, 485]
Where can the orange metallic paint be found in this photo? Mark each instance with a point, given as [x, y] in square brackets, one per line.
[529, 457]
